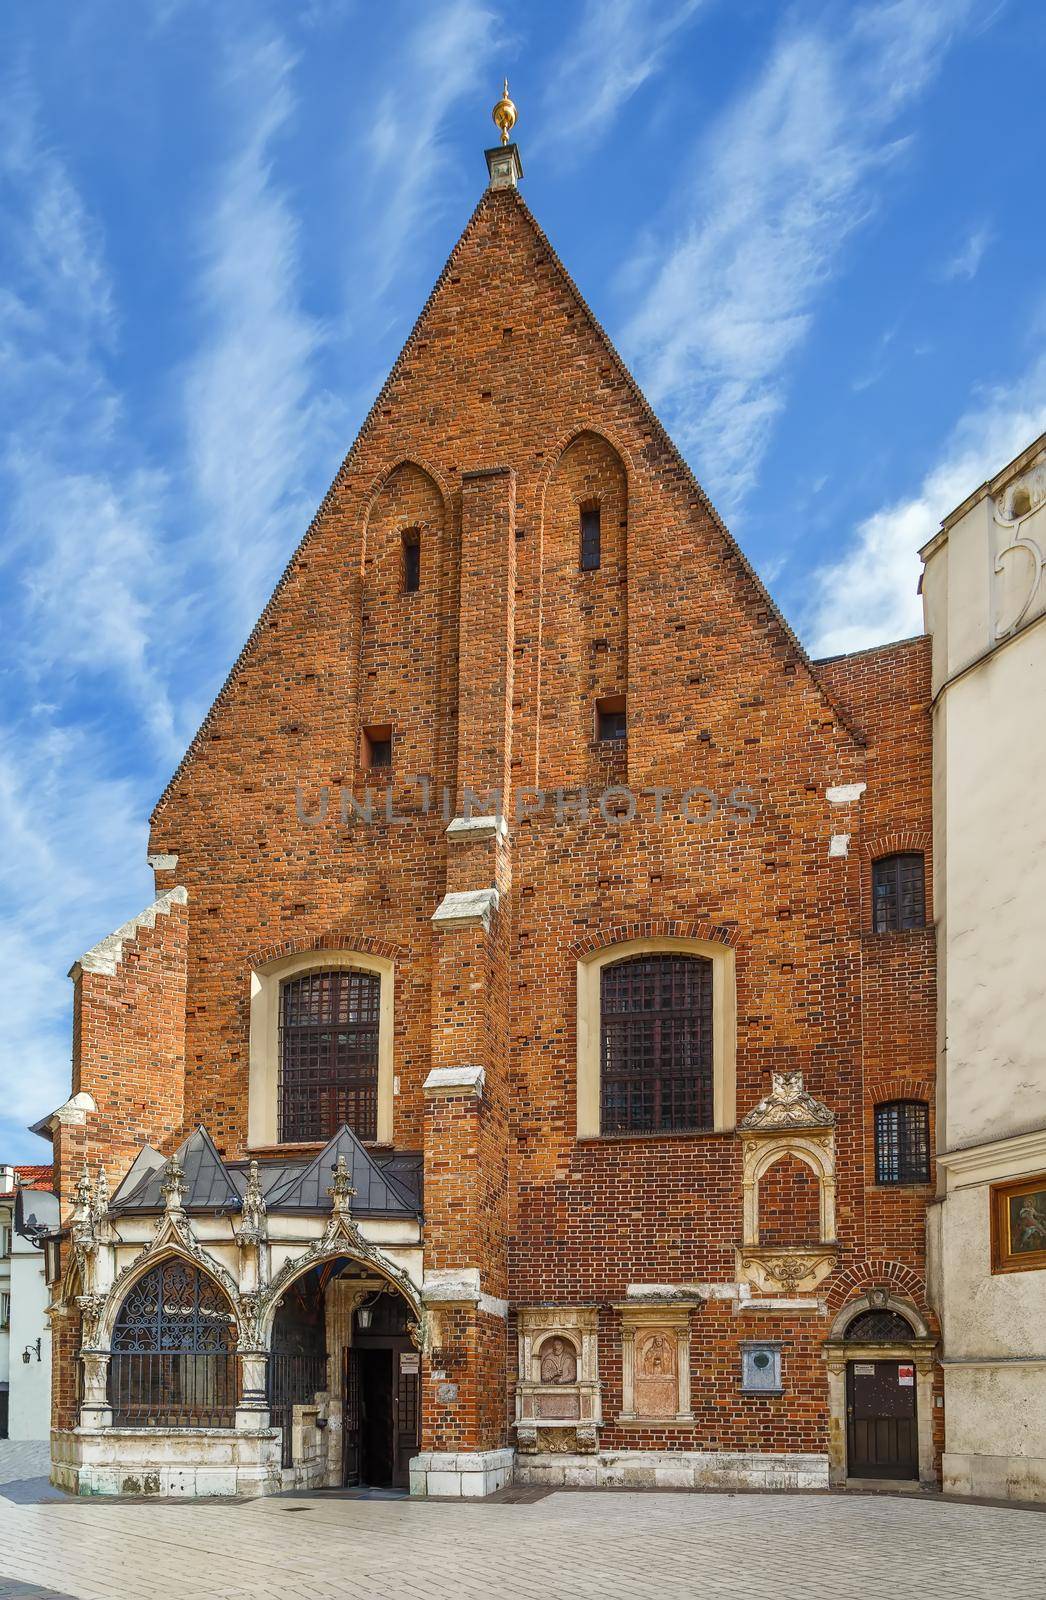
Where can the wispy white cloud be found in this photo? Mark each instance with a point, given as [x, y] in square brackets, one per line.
[964, 265]
[80, 515]
[788, 173]
[256, 423]
[869, 594]
[72, 833]
[615, 48]
[447, 56]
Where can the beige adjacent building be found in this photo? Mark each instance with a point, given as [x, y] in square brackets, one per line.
[985, 604]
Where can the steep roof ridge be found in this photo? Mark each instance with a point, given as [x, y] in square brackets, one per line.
[107, 954]
[488, 196]
[652, 417]
[325, 503]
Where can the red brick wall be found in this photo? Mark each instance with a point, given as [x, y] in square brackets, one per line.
[509, 642]
[129, 1052]
[789, 1203]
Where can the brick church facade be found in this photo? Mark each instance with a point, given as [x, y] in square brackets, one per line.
[526, 1067]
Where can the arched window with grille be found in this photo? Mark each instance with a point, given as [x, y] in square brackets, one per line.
[173, 1361]
[656, 1045]
[328, 1055]
[899, 892]
[902, 1142]
[879, 1327]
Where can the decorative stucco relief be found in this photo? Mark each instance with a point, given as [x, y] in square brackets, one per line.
[788, 1121]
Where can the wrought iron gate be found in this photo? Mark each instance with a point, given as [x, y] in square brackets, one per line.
[294, 1379]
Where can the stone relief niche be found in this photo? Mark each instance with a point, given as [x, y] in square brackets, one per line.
[1019, 550]
[558, 1386]
[655, 1362]
[789, 1126]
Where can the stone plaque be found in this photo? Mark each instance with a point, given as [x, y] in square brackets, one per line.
[656, 1376]
[558, 1405]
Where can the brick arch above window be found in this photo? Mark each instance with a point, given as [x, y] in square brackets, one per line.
[590, 966]
[266, 981]
[566, 440]
[381, 479]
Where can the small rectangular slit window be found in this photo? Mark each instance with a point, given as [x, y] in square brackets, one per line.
[411, 561]
[377, 746]
[611, 723]
[590, 538]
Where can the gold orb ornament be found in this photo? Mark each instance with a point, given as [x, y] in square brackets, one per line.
[504, 114]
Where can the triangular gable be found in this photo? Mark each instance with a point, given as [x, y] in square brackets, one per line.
[145, 1162]
[208, 1185]
[377, 1192]
[751, 576]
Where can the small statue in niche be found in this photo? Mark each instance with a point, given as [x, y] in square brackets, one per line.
[558, 1362]
[657, 1357]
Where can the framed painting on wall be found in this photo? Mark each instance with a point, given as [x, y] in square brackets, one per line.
[1019, 1225]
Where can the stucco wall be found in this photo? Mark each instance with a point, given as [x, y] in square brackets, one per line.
[30, 1413]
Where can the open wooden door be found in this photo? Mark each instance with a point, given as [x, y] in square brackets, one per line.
[350, 1419]
[406, 1415]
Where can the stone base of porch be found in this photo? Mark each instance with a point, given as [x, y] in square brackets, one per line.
[461, 1475]
[170, 1463]
[672, 1469]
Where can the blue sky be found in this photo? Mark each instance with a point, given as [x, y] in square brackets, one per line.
[814, 231]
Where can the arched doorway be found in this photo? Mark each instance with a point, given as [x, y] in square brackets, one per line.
[881, 1426]
[344, 1378]
[880, 1357]
[382, 1392]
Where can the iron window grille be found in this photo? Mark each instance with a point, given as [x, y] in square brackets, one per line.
[656, 1045]
[879, 1327]
[173, 1361]
[902, 1142]
[898, 893]
[590, 538]
[329, 1055]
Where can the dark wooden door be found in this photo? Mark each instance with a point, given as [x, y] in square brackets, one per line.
[406, 1416]
[881, 1435]
[350, 1418]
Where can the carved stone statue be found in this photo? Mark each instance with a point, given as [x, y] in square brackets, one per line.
[657, 1357]
[558, 1362]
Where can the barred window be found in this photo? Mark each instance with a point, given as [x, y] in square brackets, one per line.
[898, 893]
[879, 1327]
[902, 1142]
[329, 1055]
[656, 1045]
[173, 1361]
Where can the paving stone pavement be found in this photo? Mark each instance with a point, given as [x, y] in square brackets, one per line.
[618, 1546]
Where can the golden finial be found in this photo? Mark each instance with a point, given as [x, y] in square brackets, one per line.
[504, 114]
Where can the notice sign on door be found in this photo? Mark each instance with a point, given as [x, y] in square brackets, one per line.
[410, 1361]
[906, 1377]
[864, 1369]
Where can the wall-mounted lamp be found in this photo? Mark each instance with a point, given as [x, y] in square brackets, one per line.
[365, 1312]
[27, 1353]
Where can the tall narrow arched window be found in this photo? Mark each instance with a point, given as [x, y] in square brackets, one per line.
[329, 1055]
[898, 892]
[656, 1044]
[902, 1142]
[173, 1361]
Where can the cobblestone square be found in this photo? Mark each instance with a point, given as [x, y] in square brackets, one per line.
[565, 1544]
